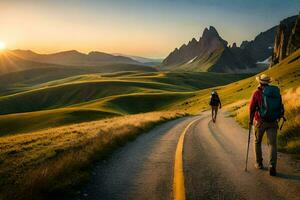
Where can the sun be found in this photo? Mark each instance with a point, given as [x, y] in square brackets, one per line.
[2, 45]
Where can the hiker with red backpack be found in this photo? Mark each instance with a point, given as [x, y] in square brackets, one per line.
[215, 104]
[266, 109]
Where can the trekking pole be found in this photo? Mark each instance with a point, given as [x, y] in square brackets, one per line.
[248, 148]
[284, 120]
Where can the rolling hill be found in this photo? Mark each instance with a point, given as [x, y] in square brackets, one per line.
[9, 62]
[93, 96]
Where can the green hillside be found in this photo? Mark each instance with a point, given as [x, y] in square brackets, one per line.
[74, 93]
[86, 88]
[27, 122]
[87, 97]
[202, 64]
[20, 80]
[139, 102]
[236, 97]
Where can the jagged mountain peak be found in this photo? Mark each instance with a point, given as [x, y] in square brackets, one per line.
[210, 32]
[212, 53]
[193, 41]
[209, 42]
[211, 37]
[183, 46]
[213, 30]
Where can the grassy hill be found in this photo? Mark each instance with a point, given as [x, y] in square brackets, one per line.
[27, 122]
[9, 62]
[74, 93]
[20, 80]
[236, 97]
[285, 75]
[50, 164]
[87, 97]
[202, 64]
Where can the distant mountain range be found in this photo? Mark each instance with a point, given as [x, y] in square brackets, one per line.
[9, 62]
[74, 58]
[20, 60]
[147, 61]
[212, 53]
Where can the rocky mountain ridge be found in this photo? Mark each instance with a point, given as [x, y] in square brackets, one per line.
[212, 53]
[287, 38]
[261, 47]
[209, 42]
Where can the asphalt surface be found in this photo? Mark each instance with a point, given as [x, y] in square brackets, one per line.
[213, 163]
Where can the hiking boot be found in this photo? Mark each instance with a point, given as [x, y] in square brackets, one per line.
[272, 171]
[259, 166]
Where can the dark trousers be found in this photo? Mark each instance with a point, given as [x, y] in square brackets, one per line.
[214, 112]
[271, 129]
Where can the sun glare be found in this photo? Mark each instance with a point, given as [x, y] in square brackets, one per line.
[2, 45]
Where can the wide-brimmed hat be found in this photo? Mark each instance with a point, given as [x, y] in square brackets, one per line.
[264, 79]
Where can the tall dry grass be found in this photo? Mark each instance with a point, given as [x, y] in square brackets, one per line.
[41, 164]
[291, 97]
[290, 135]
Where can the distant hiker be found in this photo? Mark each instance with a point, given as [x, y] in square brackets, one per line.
[215, 104]
[266, 109]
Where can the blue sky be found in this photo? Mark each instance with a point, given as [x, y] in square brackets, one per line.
[145, 28]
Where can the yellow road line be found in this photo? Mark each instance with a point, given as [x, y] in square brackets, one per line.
[178, 181]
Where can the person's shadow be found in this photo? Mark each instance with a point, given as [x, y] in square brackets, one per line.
[287, 176]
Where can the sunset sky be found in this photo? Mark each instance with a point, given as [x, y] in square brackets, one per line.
[136, 27]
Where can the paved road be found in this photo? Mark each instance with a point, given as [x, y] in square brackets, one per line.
[213, 166]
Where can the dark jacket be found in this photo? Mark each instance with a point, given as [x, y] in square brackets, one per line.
[215, 100]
